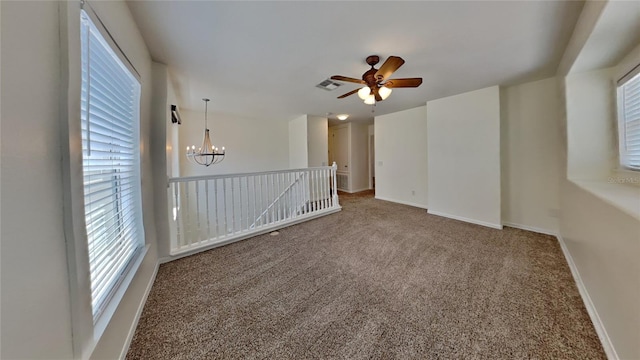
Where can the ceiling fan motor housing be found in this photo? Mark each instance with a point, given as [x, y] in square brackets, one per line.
[370, 77]
[373, 60]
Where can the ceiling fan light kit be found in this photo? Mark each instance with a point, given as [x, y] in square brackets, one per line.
[370, 100]
[378, 86]
[384, 92]
[364, 92]
[207, 154]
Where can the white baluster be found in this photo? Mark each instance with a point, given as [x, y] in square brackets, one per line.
[327, 177]
[260, 181]
[324, 187]
[206, 192]
[224, 207]
[246, 196]
[334, 169]
[178, 213]
[188, 212]
[289, 195]
[316, 204]
[215, 202]
[239, 203]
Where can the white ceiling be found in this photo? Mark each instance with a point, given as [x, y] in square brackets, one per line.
[263, 59]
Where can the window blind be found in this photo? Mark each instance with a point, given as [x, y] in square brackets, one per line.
[110, 97]
[629, 122]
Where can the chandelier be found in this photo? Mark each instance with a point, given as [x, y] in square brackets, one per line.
[207, 154]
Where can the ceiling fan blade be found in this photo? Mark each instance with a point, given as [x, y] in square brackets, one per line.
[348, 94]
[347, 79]
[403, 83]
[389, 67]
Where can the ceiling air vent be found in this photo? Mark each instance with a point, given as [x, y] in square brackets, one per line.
[328, 85]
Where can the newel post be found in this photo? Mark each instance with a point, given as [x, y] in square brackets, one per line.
[334, 168]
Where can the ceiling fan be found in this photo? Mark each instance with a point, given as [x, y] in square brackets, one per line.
[377, 83]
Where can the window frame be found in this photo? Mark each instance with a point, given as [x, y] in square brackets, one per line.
[631, 75]
[87, 332]
[112, 67]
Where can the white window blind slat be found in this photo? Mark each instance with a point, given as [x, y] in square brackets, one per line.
[107, 75]
[97, 182]
[99, 129]
[102, 235]
[102, 116]
[103, 60]
[629, 122]
[110, 161]
[112, 270]
[97, 99]
[121, 166]
[104, 249]
[103, 245]
[97, 138]
[105, 199]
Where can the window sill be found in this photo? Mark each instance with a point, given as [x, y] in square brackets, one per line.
[625, 197]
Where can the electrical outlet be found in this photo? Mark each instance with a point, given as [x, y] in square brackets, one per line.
[413, 192]
[379, 163]
[554, 213]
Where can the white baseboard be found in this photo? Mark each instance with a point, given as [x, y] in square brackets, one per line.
[401, 202]
[462, 218]
[355, 191]
[609, 350]
[134, 326]
[530, 228]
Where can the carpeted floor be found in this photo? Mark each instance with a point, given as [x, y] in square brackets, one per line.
[377, 280]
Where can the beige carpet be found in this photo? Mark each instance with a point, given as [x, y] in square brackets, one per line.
[377, 280]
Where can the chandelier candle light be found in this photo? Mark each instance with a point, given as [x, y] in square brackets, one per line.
[207, 154]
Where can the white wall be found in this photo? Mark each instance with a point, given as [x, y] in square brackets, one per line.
[308, 142]
[603, 242]
[601, 235]
[252, 144]
[36, 318]
[359, 153]
[164, 138]
[591, 129]
[463, 138]
[173, 139]
[401, 156]
[530, 143]
[317, 141]
[36, 301]
[298, 147]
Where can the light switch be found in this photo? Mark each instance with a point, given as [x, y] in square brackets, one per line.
[379, 163]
